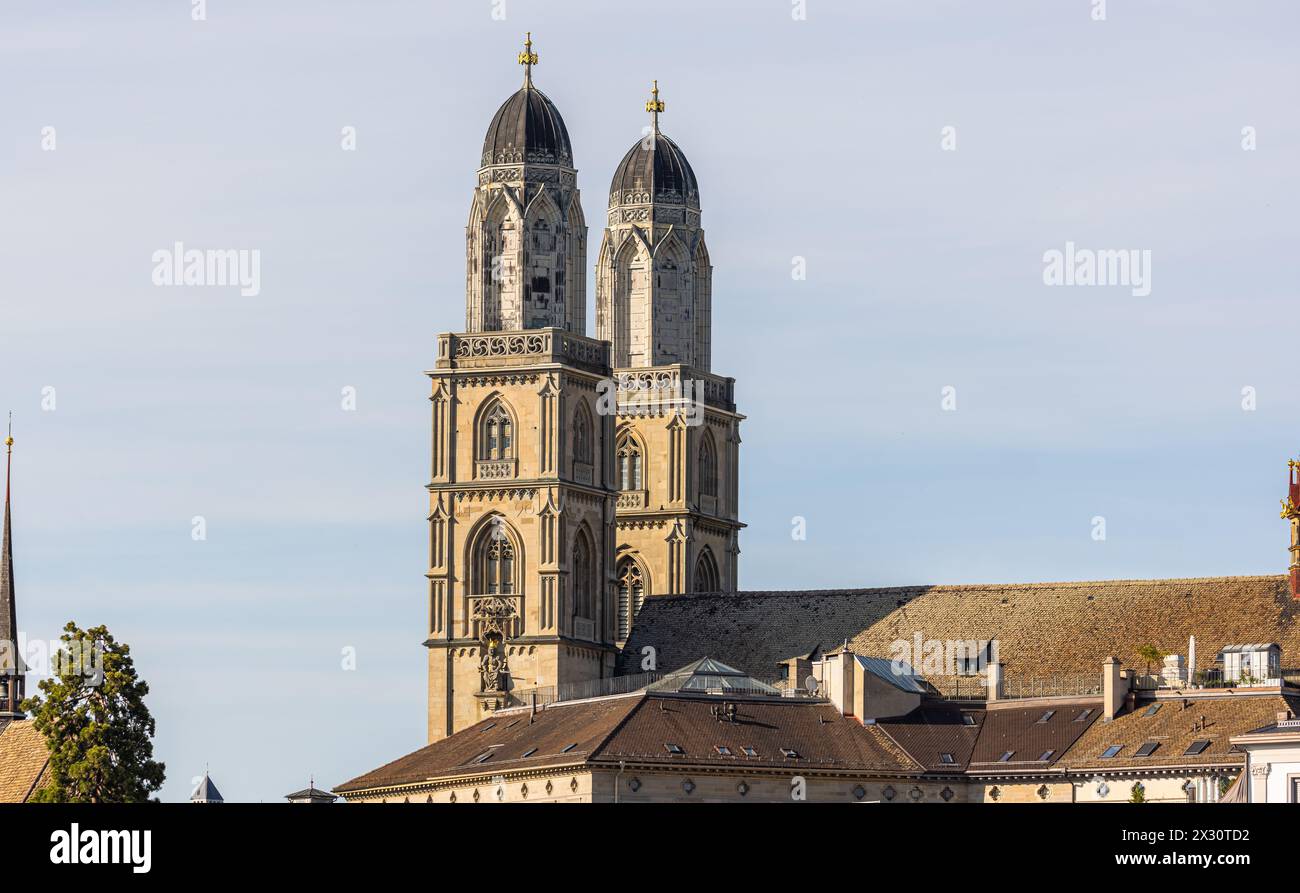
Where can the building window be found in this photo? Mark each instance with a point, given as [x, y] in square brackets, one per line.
[631, 593]
[708, 468]
[495, 564]
[497, 434]
[706, 573]
[582, 447]
[629, 464]
[582, 577]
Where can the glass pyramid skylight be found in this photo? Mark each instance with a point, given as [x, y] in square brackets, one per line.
[709, 676]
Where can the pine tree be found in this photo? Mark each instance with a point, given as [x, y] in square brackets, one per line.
[96, 723]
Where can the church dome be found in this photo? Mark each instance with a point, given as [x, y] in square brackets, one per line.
[527, 128]
[655, 169]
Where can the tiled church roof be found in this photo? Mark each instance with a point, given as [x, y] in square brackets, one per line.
[24, 759]
[1042, 629]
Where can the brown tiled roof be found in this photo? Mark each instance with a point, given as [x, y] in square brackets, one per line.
[814, 731]
[638, 728]
[507, 737]
[1042, 629]
[1175, 726]
[1029, 733]
[24, 756]
[934, 729]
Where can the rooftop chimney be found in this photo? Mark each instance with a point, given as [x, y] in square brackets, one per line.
[1115, 687]
[1291, 512]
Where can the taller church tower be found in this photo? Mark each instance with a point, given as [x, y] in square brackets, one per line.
[678, 435]
[522, 493]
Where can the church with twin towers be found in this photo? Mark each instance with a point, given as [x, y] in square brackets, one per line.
[573, 476]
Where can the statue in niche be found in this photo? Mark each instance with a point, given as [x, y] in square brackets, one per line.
[492, 665]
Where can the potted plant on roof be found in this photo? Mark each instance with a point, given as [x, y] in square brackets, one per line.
[1152, 655]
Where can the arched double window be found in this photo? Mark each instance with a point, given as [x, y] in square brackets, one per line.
[583, 577]
[629, 458]
[706, 573]
[494, 562]
[496, 434]
[708, 468]
[631, 593]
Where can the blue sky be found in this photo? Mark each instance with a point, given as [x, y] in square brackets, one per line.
[818, 139]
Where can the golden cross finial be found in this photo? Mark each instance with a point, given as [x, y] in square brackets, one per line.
[654, 106]
[9, 440]
[528, 58]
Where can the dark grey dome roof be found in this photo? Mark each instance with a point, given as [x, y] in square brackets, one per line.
[527, 127]
[659, 167]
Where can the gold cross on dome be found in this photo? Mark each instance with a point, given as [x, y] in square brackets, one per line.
[528, 58]
[654, 106]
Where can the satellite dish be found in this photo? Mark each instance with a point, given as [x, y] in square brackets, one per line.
[810, 683]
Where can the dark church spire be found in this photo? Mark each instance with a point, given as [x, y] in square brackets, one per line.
[11, 662]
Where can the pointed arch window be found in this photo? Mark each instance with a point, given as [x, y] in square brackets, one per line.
[583, 577]
[494, 564]
[629, 458]
[497, 434]
[706, 573]
[631, 593]
[582, 436]
[708, 468]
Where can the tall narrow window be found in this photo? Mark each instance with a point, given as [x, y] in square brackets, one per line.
[631, 592]
[708, 470]
[582, 435]
[495, 566]
[582, 577]
[706, 573]
[629, 464]
[497, 435]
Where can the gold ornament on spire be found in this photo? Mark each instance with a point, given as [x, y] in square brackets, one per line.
[1291, 505]
[654, 106]
[528, 58]
[9, 439]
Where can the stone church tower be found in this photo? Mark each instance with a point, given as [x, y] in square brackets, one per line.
[522, 492]
[678, 434]
[526, 241]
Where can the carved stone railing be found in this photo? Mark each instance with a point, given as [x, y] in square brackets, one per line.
[500, 613]
[527, 348]
[650, 388]
[631, 499]
[495, 469]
